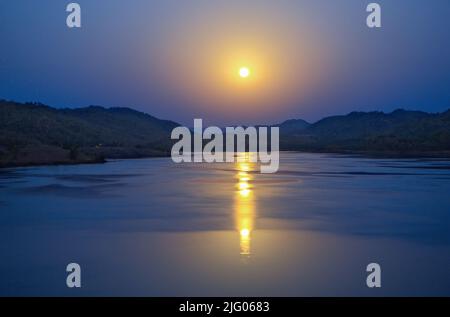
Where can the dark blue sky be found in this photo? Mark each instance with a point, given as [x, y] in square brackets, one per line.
[170, 58]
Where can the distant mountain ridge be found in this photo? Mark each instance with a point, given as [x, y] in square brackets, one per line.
[400, 131]
[33, 134]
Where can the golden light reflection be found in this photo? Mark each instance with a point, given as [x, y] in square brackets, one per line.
[244, 203]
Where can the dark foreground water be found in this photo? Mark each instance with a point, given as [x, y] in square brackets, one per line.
[150, 227]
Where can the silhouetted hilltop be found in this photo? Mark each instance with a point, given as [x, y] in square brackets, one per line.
[293, 126]
[38, 134]
[400, 132]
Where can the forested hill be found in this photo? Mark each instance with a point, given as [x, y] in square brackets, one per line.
[33, 134]
[400, 133]
[38, 134]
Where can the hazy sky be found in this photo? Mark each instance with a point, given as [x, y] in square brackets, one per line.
[180, 59]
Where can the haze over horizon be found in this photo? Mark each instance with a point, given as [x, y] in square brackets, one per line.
[180, 61]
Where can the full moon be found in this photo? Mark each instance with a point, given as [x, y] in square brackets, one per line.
[244, 72]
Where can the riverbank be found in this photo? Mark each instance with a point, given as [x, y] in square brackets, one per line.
[57, 156]
[39, 155]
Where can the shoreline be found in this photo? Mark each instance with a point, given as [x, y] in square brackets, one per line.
[371, 155]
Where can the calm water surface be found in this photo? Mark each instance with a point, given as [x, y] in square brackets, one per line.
[151, 227]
